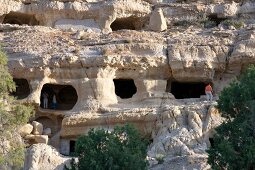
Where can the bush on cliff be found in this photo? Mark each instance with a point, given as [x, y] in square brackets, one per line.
[12, 115]
[122, 148]
[234, 142]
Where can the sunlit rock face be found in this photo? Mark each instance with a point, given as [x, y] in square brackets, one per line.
[97, 64]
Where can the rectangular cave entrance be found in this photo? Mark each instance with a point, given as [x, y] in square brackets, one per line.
[184, 90]
[72, 147]
[211, 140]
[22, 88]
[124, 88]
[214, 18]
[20, 19]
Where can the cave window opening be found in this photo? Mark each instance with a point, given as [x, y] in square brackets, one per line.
[124, 88]
[20, 19]
[22, 88]
[211, 142]
[65, 96]
[183, 90]
[216, 19]
[72, 147]
[129, 23]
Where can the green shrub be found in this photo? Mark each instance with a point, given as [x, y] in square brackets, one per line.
[188, 21]
[122, 148]
[234, 141]
[184, 23]
[160, 158]
[199, 21]
[209, 24]
[12, 116]
[236, 23]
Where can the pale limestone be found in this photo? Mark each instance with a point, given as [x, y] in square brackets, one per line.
[25, 130]
[224, 10]
[66, 24]
[37, 128]
[185, 140]
[33, 139]
[41, 139]
[106, 19]
[42, 157]
[157, 20]
[151, 59]
[89, 60]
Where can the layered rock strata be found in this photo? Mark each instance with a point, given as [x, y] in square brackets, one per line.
[129, 61]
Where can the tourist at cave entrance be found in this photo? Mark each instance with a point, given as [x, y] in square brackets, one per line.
[45, 100]
[208, 92]
[54, 102]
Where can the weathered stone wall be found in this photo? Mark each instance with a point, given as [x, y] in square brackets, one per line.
[150, 43]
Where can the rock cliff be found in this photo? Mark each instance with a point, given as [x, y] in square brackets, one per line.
[144, 62]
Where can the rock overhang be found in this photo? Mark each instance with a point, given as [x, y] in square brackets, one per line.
[91, 59]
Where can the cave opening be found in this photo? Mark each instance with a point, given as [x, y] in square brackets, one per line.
[129, 23]
[59, 97]
[124, 88]
[47, 123]
[72, 147]
[215, 19]
[211, 142]
[22, 88]
[183, 90]
[20, 19]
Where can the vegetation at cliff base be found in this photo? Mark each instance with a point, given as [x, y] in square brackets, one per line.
[122, 148]
[12, 116]
[234, 141]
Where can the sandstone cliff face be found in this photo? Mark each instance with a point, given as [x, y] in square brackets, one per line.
[129, 61]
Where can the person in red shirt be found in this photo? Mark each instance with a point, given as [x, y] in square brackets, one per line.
[208, 92]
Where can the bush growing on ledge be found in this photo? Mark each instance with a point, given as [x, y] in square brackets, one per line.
[122, 148]
[188, 21]
[208, 23]
[199, 21]
[236, 23]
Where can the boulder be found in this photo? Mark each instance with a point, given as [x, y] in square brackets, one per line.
[42, 157]
[25, 130]
[157, 20]
[37, 128]
[29, 137]
[37, 138]
[41, 139]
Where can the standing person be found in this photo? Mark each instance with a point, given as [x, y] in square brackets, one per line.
[208, 92]
[45, 100]
[54, 102]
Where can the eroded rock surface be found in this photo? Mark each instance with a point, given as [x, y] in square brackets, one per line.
[42, 156]
[182, 136]
[144, 62]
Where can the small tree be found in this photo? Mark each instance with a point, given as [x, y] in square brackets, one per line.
[122, 148]
[234, 142]
[12, 115]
